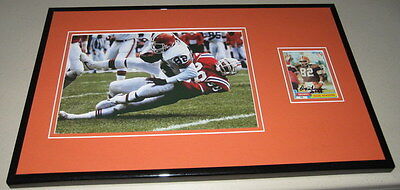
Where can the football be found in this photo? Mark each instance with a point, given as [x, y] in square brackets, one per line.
[150, 57]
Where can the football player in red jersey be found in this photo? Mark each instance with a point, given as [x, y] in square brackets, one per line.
[293, 72]
[235, 42]
[195, 41]
[212, 78]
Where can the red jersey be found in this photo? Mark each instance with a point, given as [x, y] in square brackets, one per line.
[209, 80]
[193, 38]
[234, 39]
[79, 38]
[293, 75]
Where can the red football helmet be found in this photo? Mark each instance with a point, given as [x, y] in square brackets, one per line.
[162, 42]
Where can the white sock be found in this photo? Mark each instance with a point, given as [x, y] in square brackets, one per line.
[121, 74]
[94, 114]
[97, 64]
[120, 77]
[88, 115]
[106, 111]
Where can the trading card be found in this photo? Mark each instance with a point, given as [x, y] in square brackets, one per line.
[309, 75]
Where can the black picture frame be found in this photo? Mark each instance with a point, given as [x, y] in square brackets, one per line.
[385, 165]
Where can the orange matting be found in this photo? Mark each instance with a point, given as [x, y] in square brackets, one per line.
[295, 133]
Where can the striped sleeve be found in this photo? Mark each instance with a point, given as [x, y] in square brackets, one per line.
[220, 81]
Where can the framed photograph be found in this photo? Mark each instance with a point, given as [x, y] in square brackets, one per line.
[160, 91]
[226, 113]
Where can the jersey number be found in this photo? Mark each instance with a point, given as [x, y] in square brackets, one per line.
[216, 35]
[180, 59]
[306, 72]
[201, 76]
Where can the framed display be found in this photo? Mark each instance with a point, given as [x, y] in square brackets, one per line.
[139, 92]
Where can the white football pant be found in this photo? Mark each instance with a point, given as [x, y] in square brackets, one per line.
[120, 50]
[217, 49]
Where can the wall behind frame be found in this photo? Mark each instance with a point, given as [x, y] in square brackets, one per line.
[371, 27]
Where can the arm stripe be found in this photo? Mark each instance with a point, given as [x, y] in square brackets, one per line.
[206, 55]
[220, 83]
[201, 88]
[220, 80]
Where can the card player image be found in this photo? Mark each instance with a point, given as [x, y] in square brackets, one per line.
[309, 75]
[169, 86]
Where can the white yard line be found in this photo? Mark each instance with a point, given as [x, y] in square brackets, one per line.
[82, 95]
[201, 122]
[93, 82]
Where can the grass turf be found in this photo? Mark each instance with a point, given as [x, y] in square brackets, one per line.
[86, 91]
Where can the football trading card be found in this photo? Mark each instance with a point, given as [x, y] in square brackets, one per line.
[309, 75]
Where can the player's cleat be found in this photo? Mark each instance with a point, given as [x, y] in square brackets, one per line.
[63, 115]
[105, 104]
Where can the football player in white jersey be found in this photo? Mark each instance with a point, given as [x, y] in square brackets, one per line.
[123, 47]
[174, 58]
[144, 40]
[98, 47]
[216, 44]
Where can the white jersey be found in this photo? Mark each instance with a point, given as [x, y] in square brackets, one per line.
[147, 45]
[214, 37]
[124, 36]
[178, 56]
[97, 43]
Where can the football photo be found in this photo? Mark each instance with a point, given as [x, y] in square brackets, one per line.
[149, 81]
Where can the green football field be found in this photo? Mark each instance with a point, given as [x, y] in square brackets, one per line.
[233, 109]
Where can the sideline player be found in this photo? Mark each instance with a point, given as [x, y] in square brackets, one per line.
[234, 40]
[212, 79]
[97, 47]
[123, 46]
[216, 44]
[195, 41]
[74, 65]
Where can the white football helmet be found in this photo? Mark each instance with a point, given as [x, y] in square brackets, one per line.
[227, 66]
